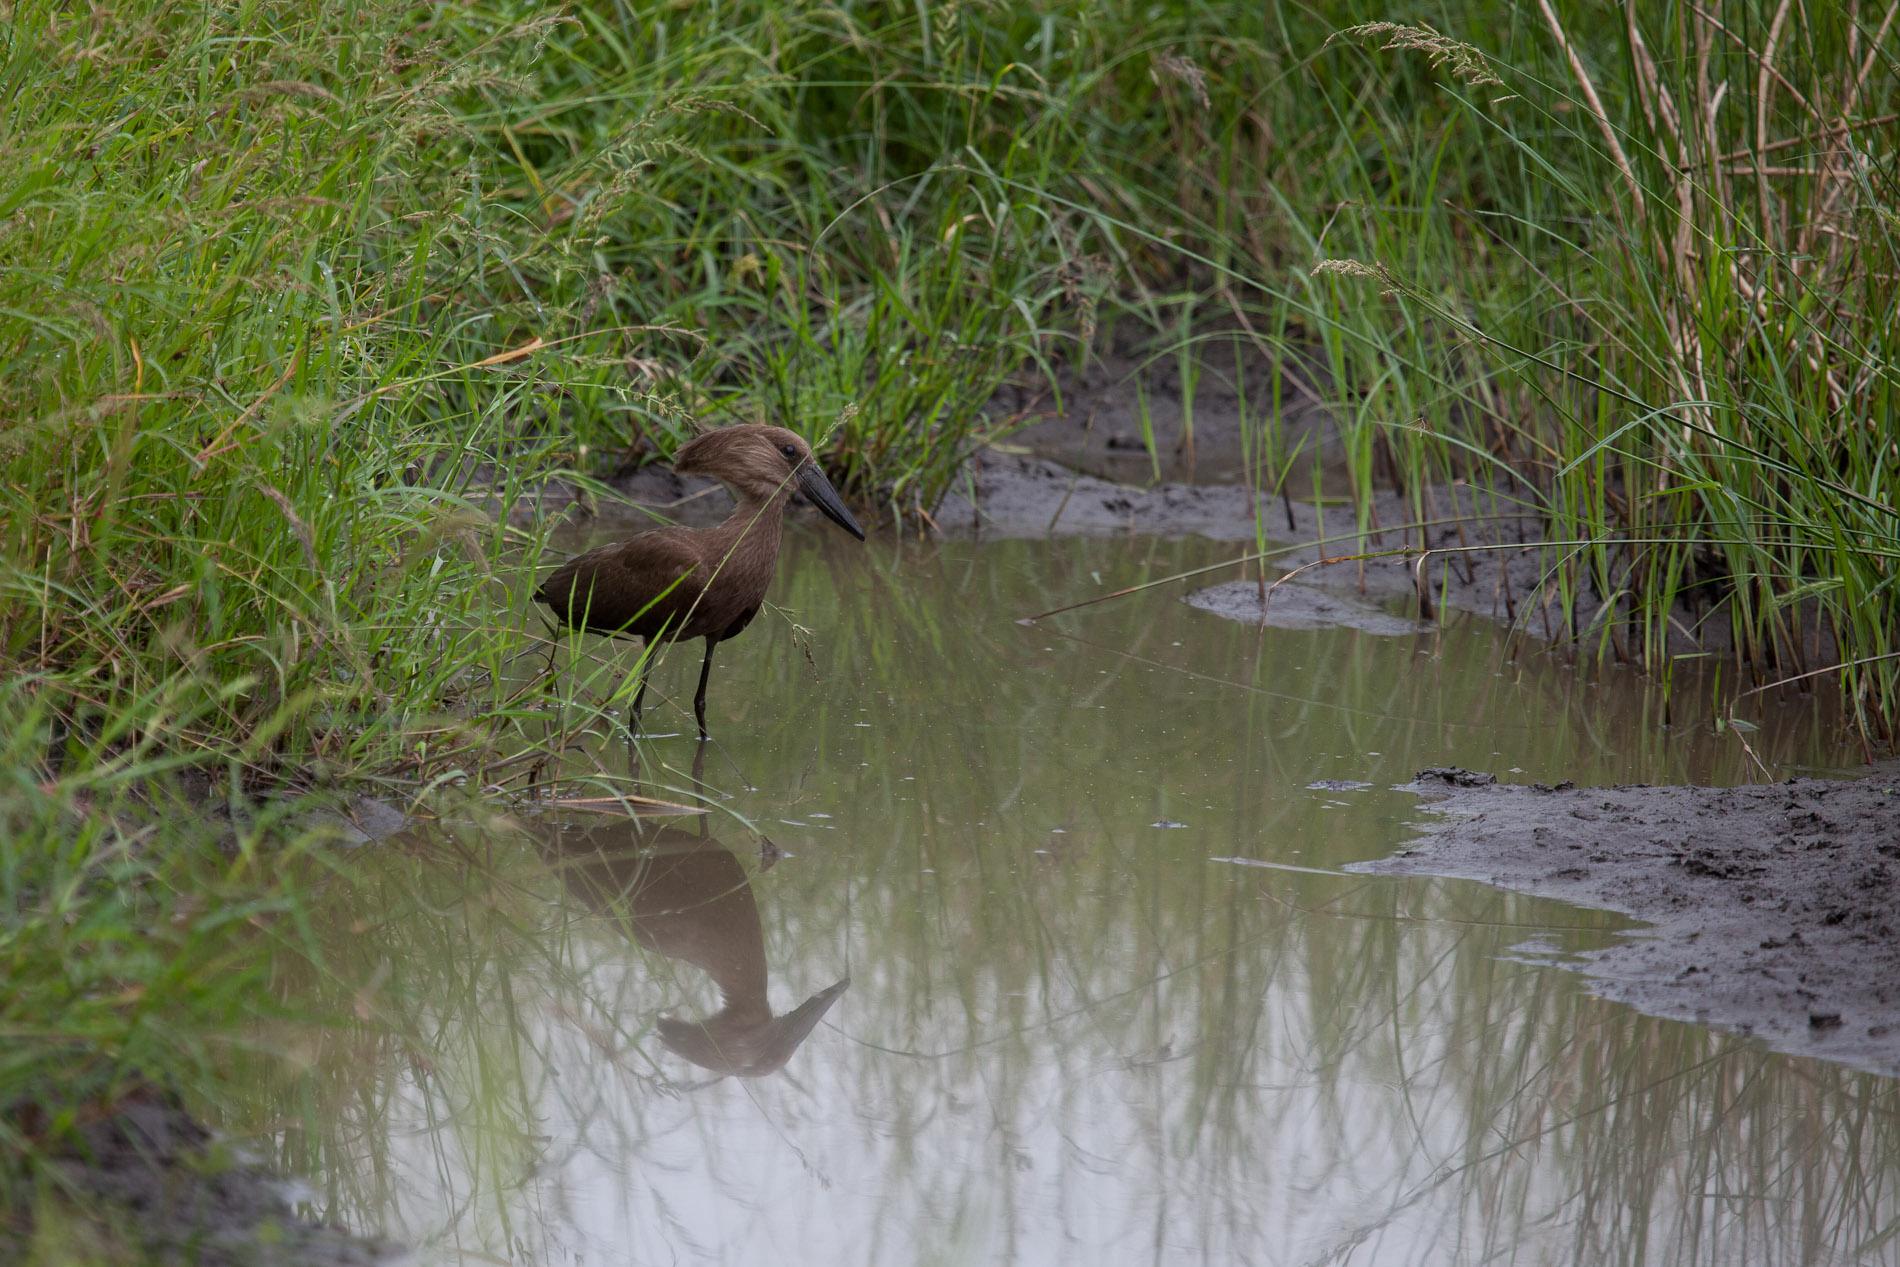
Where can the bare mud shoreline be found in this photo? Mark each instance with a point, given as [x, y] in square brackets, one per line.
[1484, 550]
[1774, 909]
[148, 1181]
[1482, 553]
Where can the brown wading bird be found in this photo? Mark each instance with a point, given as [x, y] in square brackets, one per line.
[672, 584]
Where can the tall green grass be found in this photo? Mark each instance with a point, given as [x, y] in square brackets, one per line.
[1588, 264]
[240, 438]
[1684, 332]
[242, 547]
[1644, 266]
[264, 271]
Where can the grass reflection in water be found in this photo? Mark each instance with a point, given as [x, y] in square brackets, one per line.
[1070, 1035]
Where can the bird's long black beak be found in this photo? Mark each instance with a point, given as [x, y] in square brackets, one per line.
[819, 492]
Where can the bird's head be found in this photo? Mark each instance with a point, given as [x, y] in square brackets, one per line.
[760, 464]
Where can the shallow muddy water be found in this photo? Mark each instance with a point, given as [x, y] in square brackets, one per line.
[1050, 959]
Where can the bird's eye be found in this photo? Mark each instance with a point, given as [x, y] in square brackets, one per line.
[790, 451]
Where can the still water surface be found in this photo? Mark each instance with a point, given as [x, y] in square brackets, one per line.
[1049, 959]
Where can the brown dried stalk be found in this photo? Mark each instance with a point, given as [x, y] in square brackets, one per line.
[1596, 107]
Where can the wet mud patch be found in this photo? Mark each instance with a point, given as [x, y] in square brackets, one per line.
[1775, 909]
[1291, 605]
[1484, 551]
[1480, 550]
[1141, 407]
[147, 1183]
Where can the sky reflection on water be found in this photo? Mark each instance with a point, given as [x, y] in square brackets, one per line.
[1080, 1026]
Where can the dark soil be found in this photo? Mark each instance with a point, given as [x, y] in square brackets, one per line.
[1092, 419]
[148, 1184]
[1018, 496]
[1023, 496]
[1479, 550]
[1775, 909]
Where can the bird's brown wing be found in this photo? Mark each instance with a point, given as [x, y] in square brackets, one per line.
[645, 586]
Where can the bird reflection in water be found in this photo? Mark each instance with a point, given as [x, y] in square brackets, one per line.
[686, 896]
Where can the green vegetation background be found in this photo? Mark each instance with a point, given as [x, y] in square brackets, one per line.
[294, 298]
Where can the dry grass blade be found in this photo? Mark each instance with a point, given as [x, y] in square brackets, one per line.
[641, 806]
[1595, 104]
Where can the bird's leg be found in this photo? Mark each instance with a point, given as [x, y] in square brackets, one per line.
[699, 696]
[639, 694]
[699, 771]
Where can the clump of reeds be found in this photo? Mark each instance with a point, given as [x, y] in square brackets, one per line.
[1696, 367]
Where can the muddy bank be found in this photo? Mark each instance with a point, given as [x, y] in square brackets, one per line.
[133, 1177]
[1018, 495]
[146, 1183]
[1484, 545]
[1479, 550]
[1191, 402]
[1775, 909]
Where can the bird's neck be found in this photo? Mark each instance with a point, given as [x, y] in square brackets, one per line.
[753, 528]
